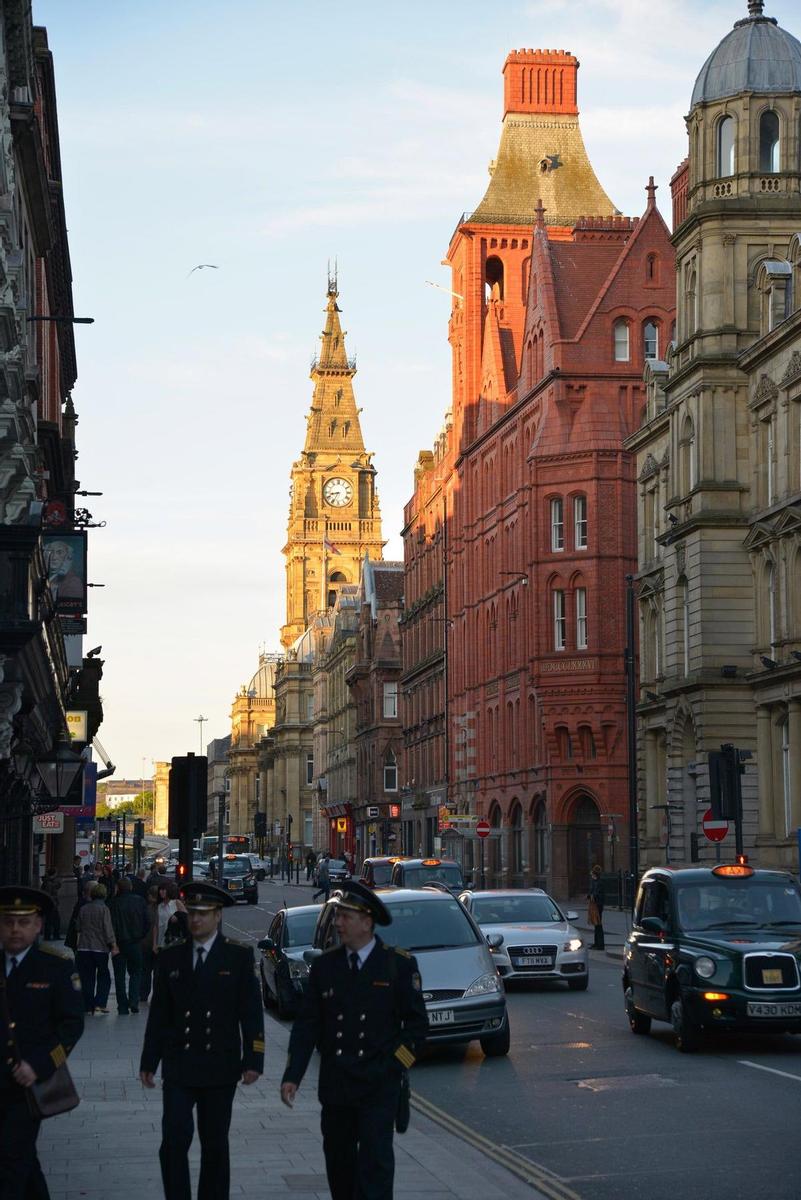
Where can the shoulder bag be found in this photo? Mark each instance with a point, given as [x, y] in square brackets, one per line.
[47, 1097]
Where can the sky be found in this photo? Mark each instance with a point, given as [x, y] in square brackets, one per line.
[268, 138]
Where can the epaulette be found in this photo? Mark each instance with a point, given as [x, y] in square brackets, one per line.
[56, 952]
[400, 950]
[173, 945]
[234, 942]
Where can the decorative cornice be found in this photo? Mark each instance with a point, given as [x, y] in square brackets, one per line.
[793, 371]
[766, 391]
[650, 467]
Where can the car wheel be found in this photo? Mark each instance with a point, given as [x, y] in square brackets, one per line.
[497, 1045]
[638, 1021]
[686, 1032]
[579, 985]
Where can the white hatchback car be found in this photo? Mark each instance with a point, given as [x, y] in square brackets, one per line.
[538, 940]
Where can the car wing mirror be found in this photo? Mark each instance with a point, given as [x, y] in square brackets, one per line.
[572, 916]
[310, 955]
[653, 925]
[266, 944]
[494, 940]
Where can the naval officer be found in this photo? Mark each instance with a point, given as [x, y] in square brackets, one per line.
[364, 1011]
[41, 1019]
[206, 1029]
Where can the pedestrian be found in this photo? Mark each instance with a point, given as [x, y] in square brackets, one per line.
[311, 859]
[41, 1019]
[148, 953]
[109, 881]
[51, 886]
[323, 878]
[364, 1011]
[206, 1028]
[130, 922]
[170, 923]
[595, 906]
[77, 871]
[139, 885]
[95, 942]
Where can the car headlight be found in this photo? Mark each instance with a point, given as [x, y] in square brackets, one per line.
[574, 944]
[298, 970]
[705, 967]
[483, 985]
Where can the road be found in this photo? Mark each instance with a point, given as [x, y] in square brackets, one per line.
[610, 1115]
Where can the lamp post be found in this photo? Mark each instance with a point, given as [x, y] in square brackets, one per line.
[59, 770]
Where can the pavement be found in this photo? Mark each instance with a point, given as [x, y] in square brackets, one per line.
[108, 1145]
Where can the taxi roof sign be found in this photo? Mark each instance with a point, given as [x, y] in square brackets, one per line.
[431, 862]
[733, 870]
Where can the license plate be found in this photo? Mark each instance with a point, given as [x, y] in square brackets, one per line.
[441, 1016]
[756, 1008]
[537, 960]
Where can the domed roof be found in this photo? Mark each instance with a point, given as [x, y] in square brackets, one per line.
[757, 56]
[263, 682]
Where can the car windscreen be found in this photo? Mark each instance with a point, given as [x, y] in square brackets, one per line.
[429, 925]
[235, 867]
[514, 910]
[382, 873]
[299, 928]
[720, 903]
[447, 873]
[336, 864]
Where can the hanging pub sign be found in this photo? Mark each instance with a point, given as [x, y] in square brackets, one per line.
[65, 565]
[78, 725]
[82, 798]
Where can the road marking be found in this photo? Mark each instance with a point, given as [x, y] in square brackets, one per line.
[532, 1173]
[771, 1070]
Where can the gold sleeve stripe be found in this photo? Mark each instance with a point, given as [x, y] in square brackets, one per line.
[58, 1055]
[258, 1046]
[404, 1056]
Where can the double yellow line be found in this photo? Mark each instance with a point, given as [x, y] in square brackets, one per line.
[545, 1181]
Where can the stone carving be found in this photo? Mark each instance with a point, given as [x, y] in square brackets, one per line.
[765, 391]
[793, 371]
[681, 558]
[650, 467]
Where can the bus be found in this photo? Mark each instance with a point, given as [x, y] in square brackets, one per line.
[233, 843]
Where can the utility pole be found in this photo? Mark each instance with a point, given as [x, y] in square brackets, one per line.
[201, 721]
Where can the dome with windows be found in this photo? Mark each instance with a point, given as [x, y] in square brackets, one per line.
[757, 56]
[263, 682]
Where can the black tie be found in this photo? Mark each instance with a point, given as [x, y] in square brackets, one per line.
[13, 966]
[354, 962]
[201, 950]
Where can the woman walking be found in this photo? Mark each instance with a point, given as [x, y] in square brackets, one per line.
[595, 906]
[171, 921]
[95, 941]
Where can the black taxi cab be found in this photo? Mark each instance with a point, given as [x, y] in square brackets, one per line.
[444, 873]
[714, 948]
[377, 871]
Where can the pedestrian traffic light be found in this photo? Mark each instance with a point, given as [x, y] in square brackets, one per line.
[260, 824]
[188, 795]
[181, 872]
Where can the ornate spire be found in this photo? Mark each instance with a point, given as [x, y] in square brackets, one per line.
[755, 8]
[333, 423]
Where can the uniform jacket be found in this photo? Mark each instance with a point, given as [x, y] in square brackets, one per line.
[205, 1027]
[46, 1005]
[367, 1027]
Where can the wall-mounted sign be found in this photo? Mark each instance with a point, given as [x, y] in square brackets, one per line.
[51, 822]
[78, 725]
[65, 564]
[372, 811]
[83, 803]
[342, 824]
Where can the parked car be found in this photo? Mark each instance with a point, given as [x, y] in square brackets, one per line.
[282, 967]
[419, 872]
[714, 948]
[537, 939]
[238, 878]
[462, 990]
[377, 872]
[260, 865]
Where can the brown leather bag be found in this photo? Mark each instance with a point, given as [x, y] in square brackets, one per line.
[47, 1097]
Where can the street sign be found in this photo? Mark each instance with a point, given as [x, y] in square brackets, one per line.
[51, 822]
[372, 811]
[483, 829]
[715, 828]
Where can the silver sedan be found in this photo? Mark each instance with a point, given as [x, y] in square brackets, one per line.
[538, 941]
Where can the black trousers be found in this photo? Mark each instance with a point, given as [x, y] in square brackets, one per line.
[21, 1176]
[357, 1142]
[177, 1130]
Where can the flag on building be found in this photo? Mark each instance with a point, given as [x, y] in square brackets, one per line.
[329, 546]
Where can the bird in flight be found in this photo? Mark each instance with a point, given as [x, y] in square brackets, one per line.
[201, 267]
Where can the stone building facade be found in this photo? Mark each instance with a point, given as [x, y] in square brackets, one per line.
[335, 727]
[719, 469]
[252, 716]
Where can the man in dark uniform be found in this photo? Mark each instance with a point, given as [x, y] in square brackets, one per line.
[45, 1005]
[364, 1011]
[206, 1029]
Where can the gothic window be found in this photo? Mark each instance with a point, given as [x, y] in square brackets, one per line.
[727, 130]
[580, 522]
[493, 275]
[769, 159]
[516, 839]
[650, 339]
[564, 742]
[581, 618]
[622, 350]
[687, 455]
[557, 524]
[559, 622]
[652, 269]
[587, 741]
[691, 301]
[540, 839]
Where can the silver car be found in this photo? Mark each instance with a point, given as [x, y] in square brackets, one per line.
[463, 993]
[537, 940]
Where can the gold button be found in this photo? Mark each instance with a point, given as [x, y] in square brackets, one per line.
[361, 1035]
[362, 1016]
[340, 1017]
[208, 1029]
[187, 1014]
[338, 1035]
[338, 1053]
[361, 1052]
[208, 1016]
[208, 1045]
[186, 1047]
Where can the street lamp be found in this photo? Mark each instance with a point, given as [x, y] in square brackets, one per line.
[59, 770]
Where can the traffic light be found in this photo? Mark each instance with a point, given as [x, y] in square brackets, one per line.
[188, 795]
[181, 872]
[260, 825]
[724, 783]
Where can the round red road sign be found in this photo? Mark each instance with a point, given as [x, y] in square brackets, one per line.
[715, 828]
[483, 829]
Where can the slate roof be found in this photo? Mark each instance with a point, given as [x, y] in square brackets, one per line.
[757, 56]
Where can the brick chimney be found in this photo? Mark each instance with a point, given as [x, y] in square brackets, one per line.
[540, 81]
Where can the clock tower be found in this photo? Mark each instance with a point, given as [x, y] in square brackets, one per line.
[334, 515]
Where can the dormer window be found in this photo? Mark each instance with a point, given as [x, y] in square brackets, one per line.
[769, 155]
[727, 130]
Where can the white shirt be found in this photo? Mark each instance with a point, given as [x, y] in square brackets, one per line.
[206, 946]
[19, 957]
[363, 953]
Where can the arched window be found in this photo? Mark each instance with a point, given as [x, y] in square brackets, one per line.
[687, 455]
[769, 155]
[516, 839]
[652, 269]
[581, 618]
[557, 524]
[691, 301]
[587, 741]
[727, 130]
[622, 351]
[559, 619]
[539, 849]
[650, 339]
[493, 275]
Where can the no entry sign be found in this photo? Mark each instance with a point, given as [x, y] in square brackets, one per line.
[715, 829]
[483, 829]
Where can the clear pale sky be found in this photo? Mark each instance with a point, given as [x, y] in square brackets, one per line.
[268, 138]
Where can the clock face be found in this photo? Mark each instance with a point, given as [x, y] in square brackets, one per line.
[338, 492]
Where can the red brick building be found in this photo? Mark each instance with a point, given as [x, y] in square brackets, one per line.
[530, 499]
